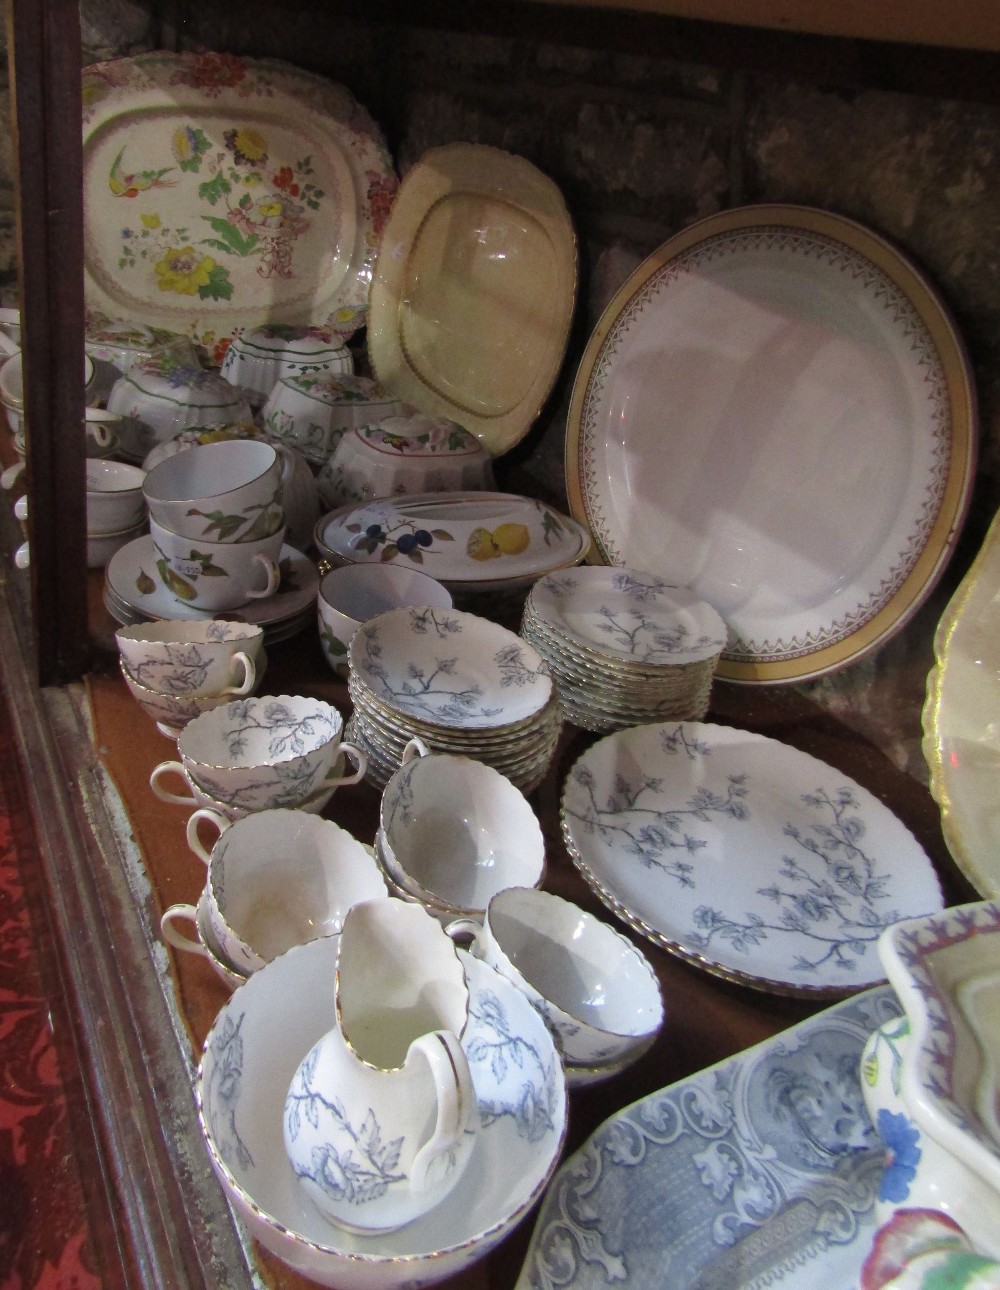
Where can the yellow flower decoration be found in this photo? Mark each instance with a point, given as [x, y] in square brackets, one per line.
[247, 145]
[268, 209]
[150, 221]
[180, 270]
[182, 144]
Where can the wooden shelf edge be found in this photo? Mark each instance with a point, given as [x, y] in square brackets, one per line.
[959, 24]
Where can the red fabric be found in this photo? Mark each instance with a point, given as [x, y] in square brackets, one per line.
[44, 1240]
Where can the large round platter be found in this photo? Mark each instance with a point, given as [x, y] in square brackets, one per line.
[961, 720]
[481, 540]
[248, 1065]
[131, 581]
[221, 193]
[448, 668]
[776, 410]
[743, 855]
[474, 290]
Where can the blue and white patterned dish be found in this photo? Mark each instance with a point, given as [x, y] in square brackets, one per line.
[760, 1171]
[250, 1056]
[625, 648]
[946, 970]
[744, 856]
[448, 668]
[636, 618]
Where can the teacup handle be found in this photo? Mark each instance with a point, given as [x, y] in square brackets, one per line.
[273, 577]
[361, 763]
[463, 928]
[193, 838]
[415, 748]
[97, 425]
[287, 456]
[176, 938]
[456, 1095]
[165, 768]
[249, 675]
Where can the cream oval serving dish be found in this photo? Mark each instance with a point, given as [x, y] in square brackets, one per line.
[475, 539]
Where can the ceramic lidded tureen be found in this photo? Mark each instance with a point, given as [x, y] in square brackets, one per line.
[466, 540]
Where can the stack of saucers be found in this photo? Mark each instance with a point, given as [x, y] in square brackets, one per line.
[460, 683]
[624, 647]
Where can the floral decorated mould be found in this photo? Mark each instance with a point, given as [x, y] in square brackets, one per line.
[946, 970]
[224, 192]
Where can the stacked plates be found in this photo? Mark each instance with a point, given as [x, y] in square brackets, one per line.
[133, 593]
[624, 647]
[460, 683]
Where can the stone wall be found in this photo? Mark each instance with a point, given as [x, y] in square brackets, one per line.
[646, 126]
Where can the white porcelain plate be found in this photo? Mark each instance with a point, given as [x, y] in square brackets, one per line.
[961, 720]
[743, 855]
[223, 192]
[760, 1171]
[241, 1091]
[450, 668]
[777, 411]
[631, 615]
[474, 290]
[130, 578]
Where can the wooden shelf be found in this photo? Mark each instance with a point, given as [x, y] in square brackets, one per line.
[957, 24]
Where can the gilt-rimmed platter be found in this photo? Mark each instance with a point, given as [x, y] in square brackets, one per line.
[744, 856]
[221, 193]
[474, 291]
[761, 1171]
[961, 719]
[776, 410]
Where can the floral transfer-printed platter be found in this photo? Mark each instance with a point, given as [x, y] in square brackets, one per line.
[221, 193]
[759, 1172]
[744, 856]
[777, 411]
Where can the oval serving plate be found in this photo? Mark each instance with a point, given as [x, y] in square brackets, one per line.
[475, 539]
[223, 192]
[474, 290]
[777, 411]
[743, 855]
[961, 720]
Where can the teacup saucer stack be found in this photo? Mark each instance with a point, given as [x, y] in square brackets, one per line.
[458, 682]
[624, 647]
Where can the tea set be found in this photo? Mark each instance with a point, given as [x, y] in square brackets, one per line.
[381, 1103]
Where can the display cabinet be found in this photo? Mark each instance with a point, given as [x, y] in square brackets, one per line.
[164, 1221]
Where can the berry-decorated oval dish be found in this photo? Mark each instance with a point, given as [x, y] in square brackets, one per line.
[465, 540]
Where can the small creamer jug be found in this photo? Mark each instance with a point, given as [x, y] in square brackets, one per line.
[381, 1116]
